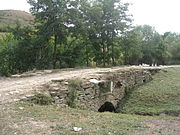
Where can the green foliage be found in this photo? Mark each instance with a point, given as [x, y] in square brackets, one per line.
[95, 24]
[173, 40]
[42, 99]
[131, 47]
[108, 20]
[67, 34]
[23, 50]
[72, 96]
[74, 85]
[127, 91]
[7, 47]
[154, 49]
[71, 55]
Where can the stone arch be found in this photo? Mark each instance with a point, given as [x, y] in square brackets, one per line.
[107, 107]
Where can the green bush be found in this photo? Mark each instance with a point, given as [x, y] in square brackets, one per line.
[7, 56]
[72, 95]
[74, 85]
[42, 99]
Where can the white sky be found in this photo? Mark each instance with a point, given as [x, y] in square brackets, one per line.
[164, 15]
[14, 4]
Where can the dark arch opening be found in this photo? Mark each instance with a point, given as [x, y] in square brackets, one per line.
[107, 107]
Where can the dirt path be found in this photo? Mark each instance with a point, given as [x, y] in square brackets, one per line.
[160, 127]
[12, 89]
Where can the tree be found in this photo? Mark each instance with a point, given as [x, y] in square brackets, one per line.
[116, 23]
[172, 41]
[53, 17]
[153, 47]
[7, 57]
[131, 47]
[105, 21]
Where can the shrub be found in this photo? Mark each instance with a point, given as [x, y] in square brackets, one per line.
[42, 99]
[7, 55]
[72, 95]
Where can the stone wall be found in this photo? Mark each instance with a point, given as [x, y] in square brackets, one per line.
[93, 91]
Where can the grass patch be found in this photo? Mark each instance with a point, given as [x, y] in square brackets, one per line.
[55, 119]
[162, 95]
[59, 120]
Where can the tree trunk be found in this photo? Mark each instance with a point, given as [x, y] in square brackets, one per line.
[87, 57]
[104, 58]
[54, 53]
[113, 60]
[126, 57]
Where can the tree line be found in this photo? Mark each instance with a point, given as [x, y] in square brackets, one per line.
[72, 33]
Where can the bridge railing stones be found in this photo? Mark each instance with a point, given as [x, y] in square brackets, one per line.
[92, 92]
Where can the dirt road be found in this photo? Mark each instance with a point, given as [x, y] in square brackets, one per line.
[13, 89]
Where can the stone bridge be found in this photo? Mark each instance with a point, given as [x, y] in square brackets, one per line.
[100, 91]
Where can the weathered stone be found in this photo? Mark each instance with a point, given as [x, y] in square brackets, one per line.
[57, 80]
[94, 92]
[16, 76]
[53, 93]
[48, 71]
[87, 85]
[66, 83]
[94, 81]
[55, 88]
